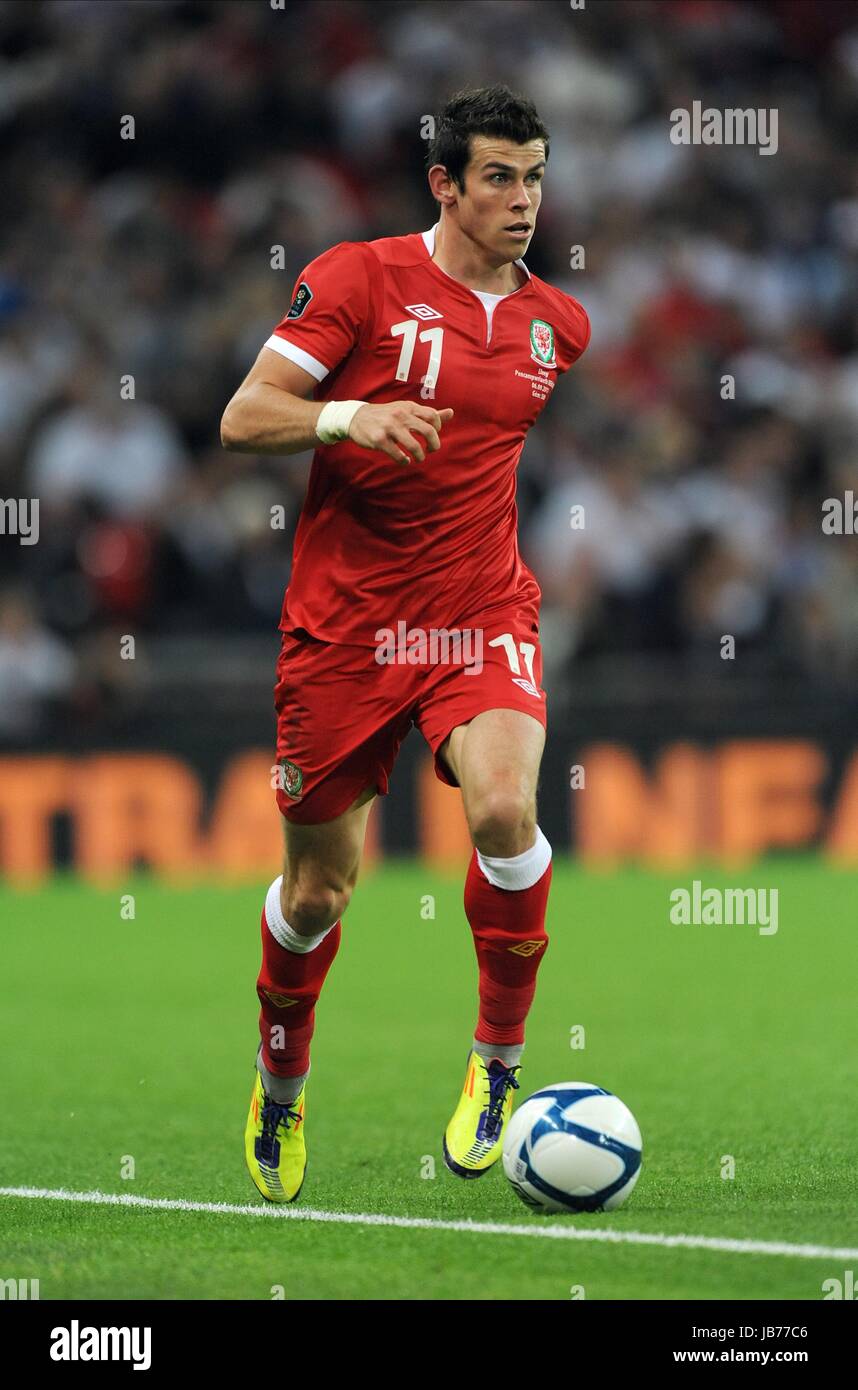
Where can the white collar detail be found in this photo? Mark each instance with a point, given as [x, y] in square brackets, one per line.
[429, 243]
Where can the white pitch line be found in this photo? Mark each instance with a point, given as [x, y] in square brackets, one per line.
[425, 1223]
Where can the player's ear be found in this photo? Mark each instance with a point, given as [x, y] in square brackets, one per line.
[441, 185]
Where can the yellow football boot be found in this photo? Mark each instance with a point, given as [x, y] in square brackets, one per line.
[473, 1140]
[274, 1144]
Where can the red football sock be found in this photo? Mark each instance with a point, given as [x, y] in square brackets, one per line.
[510, 939]
[288, 986]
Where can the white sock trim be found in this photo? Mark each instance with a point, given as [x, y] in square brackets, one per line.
[281, 1089]
[522, 870]
[279, 928]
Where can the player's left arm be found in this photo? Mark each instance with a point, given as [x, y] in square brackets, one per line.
[573, 332]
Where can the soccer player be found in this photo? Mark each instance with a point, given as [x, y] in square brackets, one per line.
[414, 365]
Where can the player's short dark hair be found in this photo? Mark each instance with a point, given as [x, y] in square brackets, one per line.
[482, 111]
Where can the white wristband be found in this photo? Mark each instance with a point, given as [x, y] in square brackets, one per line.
[334, 420]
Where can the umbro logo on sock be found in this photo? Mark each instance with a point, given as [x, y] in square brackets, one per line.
[526, 948]
[281, 1001]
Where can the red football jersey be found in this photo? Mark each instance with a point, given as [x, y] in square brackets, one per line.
[431, 544]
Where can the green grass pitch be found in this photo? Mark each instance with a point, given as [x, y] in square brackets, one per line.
[137, 1039]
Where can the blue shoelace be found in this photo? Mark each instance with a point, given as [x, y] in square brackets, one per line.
[499, 1085]
[273, 1116]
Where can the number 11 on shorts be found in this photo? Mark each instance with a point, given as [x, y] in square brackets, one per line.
[527, 649]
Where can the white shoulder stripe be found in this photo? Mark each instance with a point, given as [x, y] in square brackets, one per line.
[298, 356]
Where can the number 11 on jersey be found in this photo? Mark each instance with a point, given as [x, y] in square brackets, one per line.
[407, 331]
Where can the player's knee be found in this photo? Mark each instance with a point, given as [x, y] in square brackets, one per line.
[314, 904]
[503, 820]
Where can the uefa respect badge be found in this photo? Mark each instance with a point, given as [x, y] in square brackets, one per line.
[303, 295]
[542, 343]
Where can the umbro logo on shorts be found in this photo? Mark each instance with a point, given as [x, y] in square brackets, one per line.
[527, 686]
[422, 311]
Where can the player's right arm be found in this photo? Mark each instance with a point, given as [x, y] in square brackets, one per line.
[270, 413]
[330, 316]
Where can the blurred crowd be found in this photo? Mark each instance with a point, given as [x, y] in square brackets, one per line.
[713, 413]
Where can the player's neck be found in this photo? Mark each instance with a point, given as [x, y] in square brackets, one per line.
[466, 262]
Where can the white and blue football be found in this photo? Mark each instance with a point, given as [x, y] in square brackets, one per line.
[572, 1147]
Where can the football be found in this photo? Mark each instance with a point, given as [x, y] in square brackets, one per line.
[572, 1147]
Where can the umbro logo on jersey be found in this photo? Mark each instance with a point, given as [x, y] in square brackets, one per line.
[422, 311]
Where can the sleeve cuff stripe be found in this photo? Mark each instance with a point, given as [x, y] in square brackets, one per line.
[298, 356]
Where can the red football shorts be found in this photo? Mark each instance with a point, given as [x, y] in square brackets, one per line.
[342, 713]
